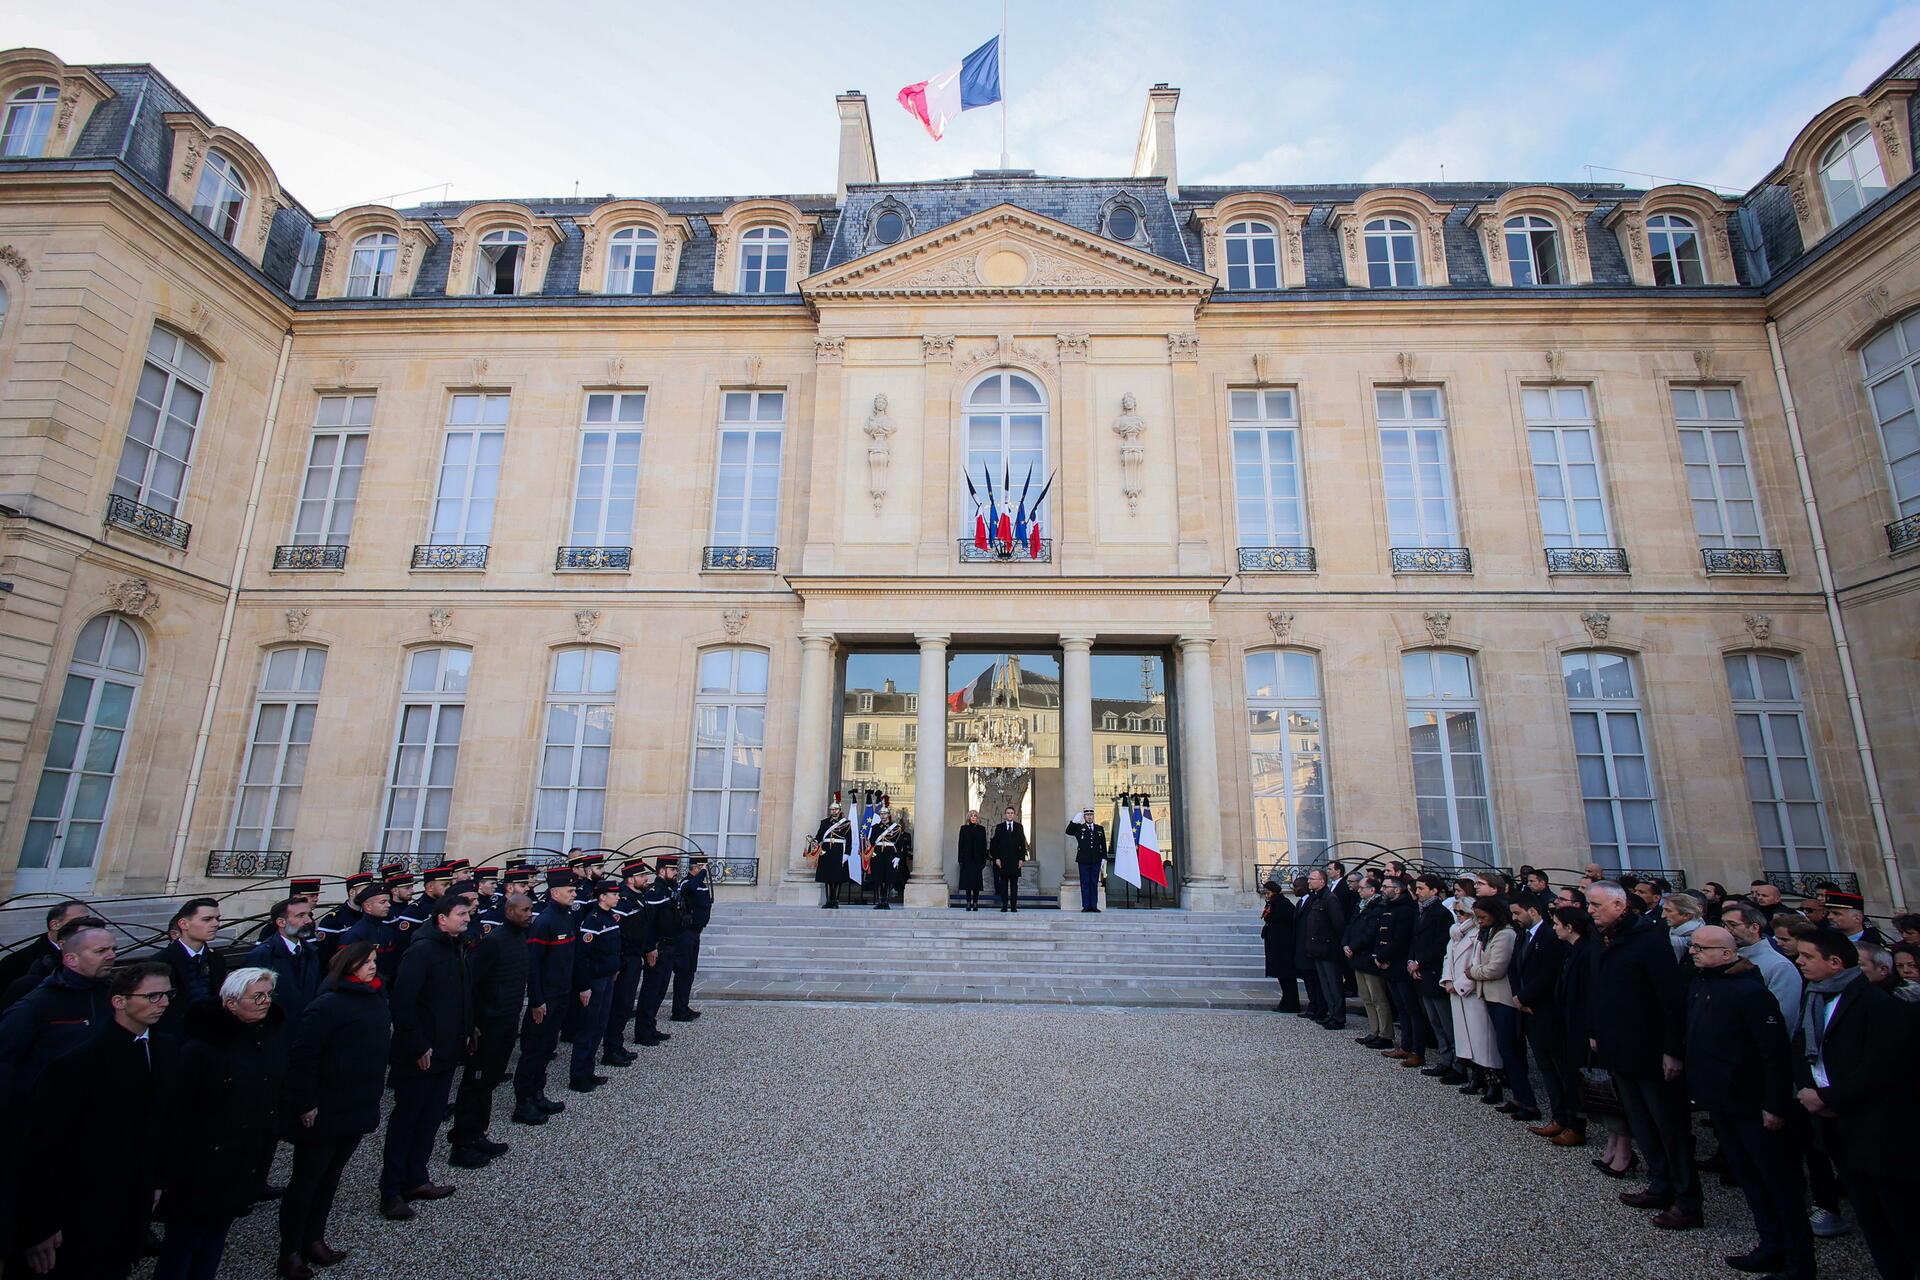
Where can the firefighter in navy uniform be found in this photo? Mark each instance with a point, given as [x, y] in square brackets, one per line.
[375, 903]
[330, 927]
[834, 838]
[638, 951]
[599, 969]
[486, 887]
[696, 909]
[410, 919]
[552, 985]
[892, 858]
[662, 905]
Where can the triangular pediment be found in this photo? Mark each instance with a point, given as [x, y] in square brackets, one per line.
[1007, 251]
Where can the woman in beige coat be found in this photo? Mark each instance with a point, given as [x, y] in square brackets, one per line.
[1473, 1046]
[1493, 990]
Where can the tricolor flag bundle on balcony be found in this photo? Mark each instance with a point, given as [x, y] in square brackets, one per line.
[972, 82]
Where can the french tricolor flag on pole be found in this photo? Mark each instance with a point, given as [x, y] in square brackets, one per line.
[972, 82]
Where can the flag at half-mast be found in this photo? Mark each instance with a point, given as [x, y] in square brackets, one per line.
[972, 82]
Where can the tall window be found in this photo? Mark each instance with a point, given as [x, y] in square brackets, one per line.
[83, 758]
[1776, 749]
[1393, 253]
[631, 255]
[1610, 748]
[608, 479]
[498, 262]
[1417, 470]
[746, 490]
[1892, 363]
[764, 252]
[1450, 788]
[1850, 174]
[370, 273]
[570, 803]
[1713, 444]
[1007, 438]
[29, 120]
[1266, 469]
[426, 751]
[470, 470]
[220, 199]
[335, 454]
[1533, 250]
[174, 384]
[1284, 717]
[1674, 243]
[275, 767]
[729, 731]
[1253, 256]
[1566, 467]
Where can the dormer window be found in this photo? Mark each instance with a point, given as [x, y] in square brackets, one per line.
[1122, 222]
[370, 275]
[632, 255]
[1393, 254]
[220, 201]
[1850, 174]
[1533, 251]
[1674, 243]
[764, 253]
[498, 264]
[1253, 256]
[889, 227]
[29, 121]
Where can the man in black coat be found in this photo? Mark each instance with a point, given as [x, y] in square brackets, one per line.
[1007, 849]
[1089, 851]
[638, 950]
[198, 970]
[59, 1015]
[662, 907]
[1738, 1068]
[696, 911]
[551, 986]
[498, 967]
[1539, 957]
[375, 904]
[15, 964]
[295, 963]
[1431, 923]
[1357, 940]
[1321, 933]
[1392, 948]
[1636, 1018]
[432, 1007]
[599, 962]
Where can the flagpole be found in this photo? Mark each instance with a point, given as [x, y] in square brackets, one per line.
[1005, 163]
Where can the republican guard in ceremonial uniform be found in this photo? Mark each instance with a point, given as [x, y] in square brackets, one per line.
[892, 857]
[834, 839]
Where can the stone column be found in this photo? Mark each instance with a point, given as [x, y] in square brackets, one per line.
[813, 746]
[931, 839]
[1204, 887]
[1076, 754]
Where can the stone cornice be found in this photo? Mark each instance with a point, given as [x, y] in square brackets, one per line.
[849, 587]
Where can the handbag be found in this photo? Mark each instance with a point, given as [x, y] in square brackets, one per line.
[1597, 1092]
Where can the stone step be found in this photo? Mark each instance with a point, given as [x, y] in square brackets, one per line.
[796, 949]
[1089, 970]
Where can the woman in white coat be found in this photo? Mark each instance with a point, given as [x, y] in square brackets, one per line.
[1473, 1046]
[1493, 990]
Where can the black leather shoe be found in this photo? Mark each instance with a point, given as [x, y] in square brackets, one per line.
[621, 1059]
[395, 1209]
[1525, 1115]
[1757, 1263]
[529, 1112]
[548, 1105]
[1435, 1071]
[268, 1191]
[688, 1016]
[586, 1084]
[468, 1158]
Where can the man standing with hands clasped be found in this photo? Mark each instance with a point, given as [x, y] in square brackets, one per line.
[1090, 850]
[432, 1009]
[1007, 849]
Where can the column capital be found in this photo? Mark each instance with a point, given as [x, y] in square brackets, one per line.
[931, 639]
[816, 639]
[1197, 642]
[1076, 642]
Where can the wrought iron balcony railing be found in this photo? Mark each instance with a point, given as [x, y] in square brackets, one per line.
[148, 522]
[1596, 560]
[734, 871]
[414, 862]
[1278, 560]
[431, 556]
[760, 559]
[308, 556]
[1808, 884]
[1432, 560]
[998, 552]
[1764, 561]
[593, 559]
[1902, 534]
[248, 864]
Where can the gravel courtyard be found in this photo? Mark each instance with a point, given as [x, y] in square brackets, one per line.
[980, 1142]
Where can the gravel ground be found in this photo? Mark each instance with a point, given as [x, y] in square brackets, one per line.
[969, 1142]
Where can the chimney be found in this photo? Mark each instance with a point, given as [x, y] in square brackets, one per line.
[856, 143]
[888, 687]
[1154, 157]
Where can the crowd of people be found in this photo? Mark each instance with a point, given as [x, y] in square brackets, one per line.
[148, 1096]
[1621, 1007]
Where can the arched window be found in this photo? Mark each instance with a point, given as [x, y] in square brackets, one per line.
[275, 767]
[1291, 821]
[1451, 789]
[729, 733]
[426, 751]
[29, 120]
[764, 252]
[1610, 748]
[6, 300]
[632, 254]
[1533, 251]
[497, 265]
[84, 756]
[370, 274]
[1777, 749]
[1850, 174]
[220, 201]
[1674, 243]
[1393, 253]
[1253, 256]
[1007, 441]
[570, 798]
[1892, 363]
[174, 385]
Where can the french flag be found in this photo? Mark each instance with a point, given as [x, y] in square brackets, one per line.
[972, 82]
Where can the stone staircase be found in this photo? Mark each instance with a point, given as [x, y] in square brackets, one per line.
[1153, 959]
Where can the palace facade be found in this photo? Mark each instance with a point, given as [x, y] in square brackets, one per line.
[1497, 522]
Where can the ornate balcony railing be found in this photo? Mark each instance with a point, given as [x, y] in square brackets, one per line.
[147, 522]
[1765, 561]
[734, 870]
[1432, 560]
[308, 556]
[593, 559]
[1596, 560]
[414, 862]
[1278, 560]
[998, 552]
[751, 559]
[430, 556]
[1808, 884]
[248, 864]
[1902, 534]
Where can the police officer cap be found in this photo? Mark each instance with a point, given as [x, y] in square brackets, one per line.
[561, 878]
[368, 893]
[635, 866]
[1088, 809]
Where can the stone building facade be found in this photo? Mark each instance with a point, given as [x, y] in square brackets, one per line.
[1505, 523]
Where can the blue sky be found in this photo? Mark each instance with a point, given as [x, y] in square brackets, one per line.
[356, 101]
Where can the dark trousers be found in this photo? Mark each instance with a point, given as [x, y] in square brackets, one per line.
[1332, 974]
[538, 1043]
[1662, 1126]
[192, 1250]
[1316, 1004]
[1089, 885]
[1007, 885]
[593, 1028]
[653, 990]
[1767, 1166]
[1549, 1050]
[1405, 996]
[1513, 1051]
[1883, 1206]
[1823, 1184]
[419, 1107]
[486, 1070]
[686, 963]
[1439, 1019]
[317, 1165]
[626, 990]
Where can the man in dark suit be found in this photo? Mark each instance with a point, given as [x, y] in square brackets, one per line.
[198, 970]
[297, 963]
[47, 946]
[1321, 927]
[1538, 958]
[1431, 926]
[1008, 849]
